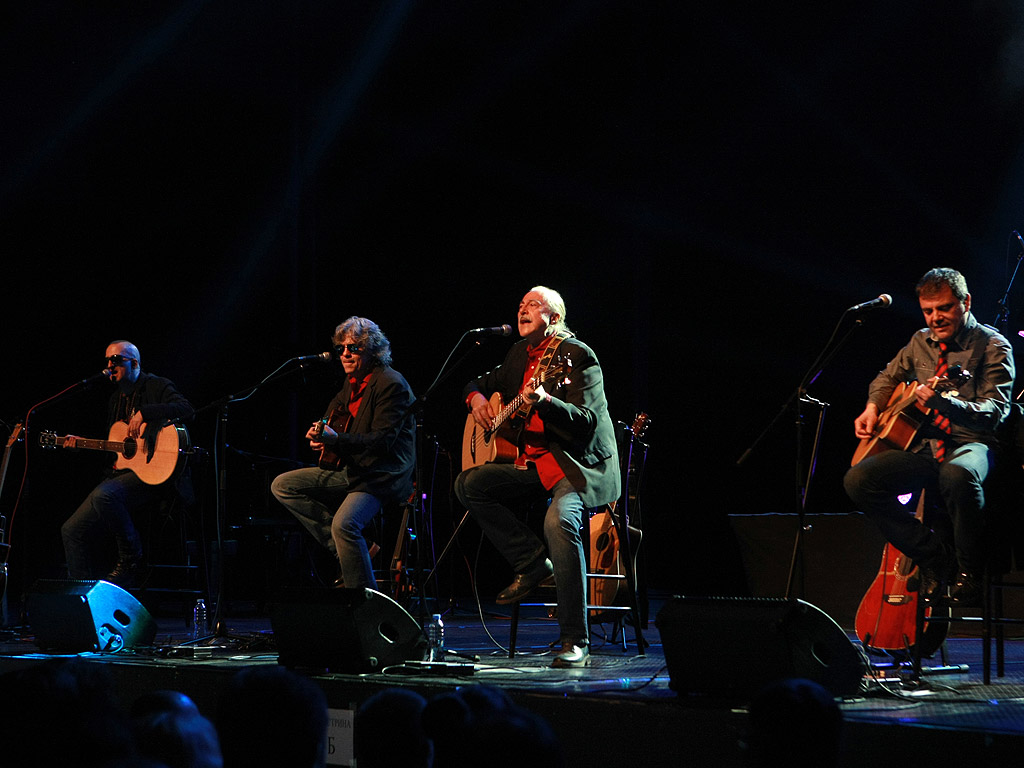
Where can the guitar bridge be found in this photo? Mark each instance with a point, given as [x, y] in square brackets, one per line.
[897, 599]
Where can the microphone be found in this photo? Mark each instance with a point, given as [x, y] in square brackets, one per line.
[500, 330]
[881, 302]
[104, 374]
[325, 356]
[1019, 239]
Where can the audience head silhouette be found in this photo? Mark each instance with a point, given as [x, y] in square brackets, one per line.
[271, 716]
[794, 722]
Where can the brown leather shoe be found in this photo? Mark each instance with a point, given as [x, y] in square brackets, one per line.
[525, 583]
[572, 655]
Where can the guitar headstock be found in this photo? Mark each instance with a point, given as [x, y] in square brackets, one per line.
[640, 425]
[558, 374]
[48, 439]
[16, 434]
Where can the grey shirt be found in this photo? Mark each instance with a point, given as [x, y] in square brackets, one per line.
[981, 402]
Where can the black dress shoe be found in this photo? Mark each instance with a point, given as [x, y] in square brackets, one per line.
[573, 654]
[126, 572]
[525, 583]
[966, 590]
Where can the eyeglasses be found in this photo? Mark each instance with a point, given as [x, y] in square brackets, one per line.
[119, 359]
[355, 349]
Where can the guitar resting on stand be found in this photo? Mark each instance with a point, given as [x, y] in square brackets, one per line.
[887, 615]
[606, 527]
[5, 547]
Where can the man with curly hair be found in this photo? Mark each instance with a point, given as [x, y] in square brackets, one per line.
[367, 445]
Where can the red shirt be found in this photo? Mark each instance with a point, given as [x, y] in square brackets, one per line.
[355, 397]
[535, 445]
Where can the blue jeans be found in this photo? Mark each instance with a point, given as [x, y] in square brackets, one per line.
[874, 483]
[321, 501]
[105, 513]
[491, 491]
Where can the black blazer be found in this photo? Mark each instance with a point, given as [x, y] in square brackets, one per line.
[379, 447]
[577, 425]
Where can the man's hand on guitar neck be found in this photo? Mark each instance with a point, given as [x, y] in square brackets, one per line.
[864, 425]
[321, 435]
[534, 394]
[927, 397]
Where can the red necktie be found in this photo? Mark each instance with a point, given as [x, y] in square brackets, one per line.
[940, 421]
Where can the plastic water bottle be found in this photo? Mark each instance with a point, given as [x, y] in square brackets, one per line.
[435, 638]
[199, 620]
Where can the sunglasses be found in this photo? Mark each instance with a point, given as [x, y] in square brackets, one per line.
[355, 349]
[119, 359]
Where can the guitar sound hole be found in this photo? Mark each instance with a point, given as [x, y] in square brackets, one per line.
[130, 447]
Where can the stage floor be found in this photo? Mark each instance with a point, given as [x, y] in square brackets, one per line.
[619, 708]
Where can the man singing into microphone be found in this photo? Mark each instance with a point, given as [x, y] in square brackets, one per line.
[145, 403]
[566, 454]
[953, 450]
[367, 453]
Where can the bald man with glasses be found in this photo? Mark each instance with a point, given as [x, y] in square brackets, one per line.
[145, 403]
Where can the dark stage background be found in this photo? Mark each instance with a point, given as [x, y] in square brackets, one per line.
[709, 188]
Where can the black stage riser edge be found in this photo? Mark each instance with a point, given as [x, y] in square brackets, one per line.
[343, 630]
[731, 647]
[69, 616]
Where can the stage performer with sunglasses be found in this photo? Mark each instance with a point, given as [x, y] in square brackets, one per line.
[565, 455]
[366, 442]
[148, 405]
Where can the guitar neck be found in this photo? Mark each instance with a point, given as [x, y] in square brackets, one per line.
[518, 403]
[512, 406]
[96, 445]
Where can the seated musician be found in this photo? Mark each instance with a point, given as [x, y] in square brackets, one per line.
[953, 450]
[145, 403]
[367, 453]
[566, 453]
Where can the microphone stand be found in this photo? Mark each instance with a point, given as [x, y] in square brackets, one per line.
[445, 372]
[1003, 313]
[18, 434]
[796, 400]
[220, 468]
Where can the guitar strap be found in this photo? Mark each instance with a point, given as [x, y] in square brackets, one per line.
[543, 365]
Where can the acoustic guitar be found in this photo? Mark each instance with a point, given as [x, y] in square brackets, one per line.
[605, 541]
[339, 420]
[887, 615]
[154, 462]
[500, 443]
[5, 547]
[401, 584]
[899, 423]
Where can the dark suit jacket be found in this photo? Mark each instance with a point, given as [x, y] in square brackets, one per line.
[577, 425]
[379, 447]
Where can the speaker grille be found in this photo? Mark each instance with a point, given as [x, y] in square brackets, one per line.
[79, 616]
[343, 630]
[730, 647]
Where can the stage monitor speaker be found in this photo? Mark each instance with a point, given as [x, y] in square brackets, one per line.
[731, 647]
[82, 616]
[343, 630]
